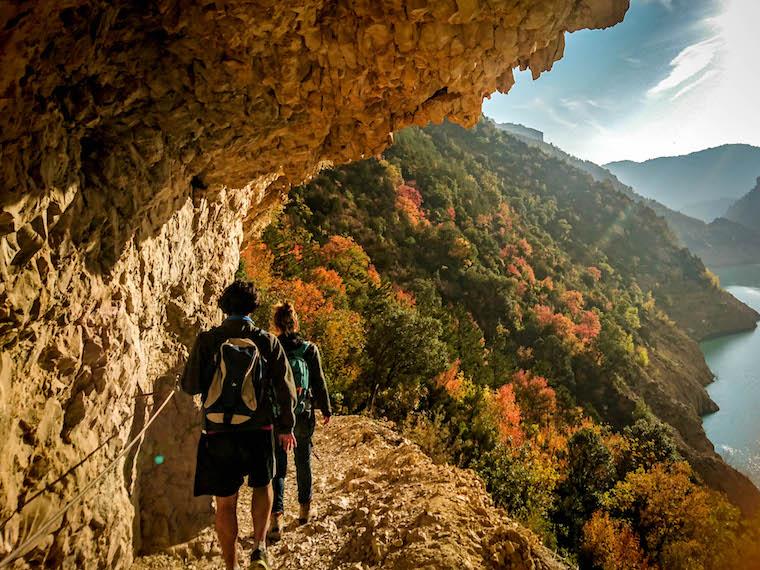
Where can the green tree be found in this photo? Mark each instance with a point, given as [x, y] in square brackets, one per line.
[590, 474]
[403, 351]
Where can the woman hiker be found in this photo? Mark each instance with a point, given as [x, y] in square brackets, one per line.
[311, 395]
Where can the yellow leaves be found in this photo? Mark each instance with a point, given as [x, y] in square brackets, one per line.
[612, 544]
[257, 260]
[681, 524]
[642, 356]
[461, 248]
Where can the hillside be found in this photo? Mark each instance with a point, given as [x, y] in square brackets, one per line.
[380, 503]
[699, 184]
[746, 210]
[516, 318]
[720, 243]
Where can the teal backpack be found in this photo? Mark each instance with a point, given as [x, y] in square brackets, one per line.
[300, 376]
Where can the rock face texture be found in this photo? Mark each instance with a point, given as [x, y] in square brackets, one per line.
[380, 503]
[136, 138]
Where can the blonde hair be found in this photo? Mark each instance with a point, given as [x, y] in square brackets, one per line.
[286, 318]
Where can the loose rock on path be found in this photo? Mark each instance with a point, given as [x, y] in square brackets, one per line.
[379, 502]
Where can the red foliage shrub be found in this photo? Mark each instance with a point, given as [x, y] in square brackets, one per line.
[574, 301]
[508, 415]
[589, 326]
[409, 201]
[537, 399]
[595, 272]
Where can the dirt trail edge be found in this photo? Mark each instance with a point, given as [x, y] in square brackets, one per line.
[379, 502]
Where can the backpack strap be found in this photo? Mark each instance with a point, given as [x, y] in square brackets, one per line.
[301, 350]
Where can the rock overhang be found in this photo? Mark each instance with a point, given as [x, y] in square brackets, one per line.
[135, 138]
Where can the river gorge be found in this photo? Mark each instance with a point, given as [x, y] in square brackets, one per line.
[735, 429]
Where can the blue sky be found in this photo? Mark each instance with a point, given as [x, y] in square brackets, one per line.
[676, 76]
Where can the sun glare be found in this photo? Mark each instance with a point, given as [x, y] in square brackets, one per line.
[736, 24]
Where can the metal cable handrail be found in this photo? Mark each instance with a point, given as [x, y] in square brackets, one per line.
[43, 530]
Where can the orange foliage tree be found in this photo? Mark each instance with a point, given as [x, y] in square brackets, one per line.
[349, 260]
[536, 398]
[611, 544]
[508, 416]
[574, 301]
[452, 380]
[409, 201]
[321, 303]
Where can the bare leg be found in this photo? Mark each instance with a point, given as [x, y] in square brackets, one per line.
[261, 505]
[227, 528]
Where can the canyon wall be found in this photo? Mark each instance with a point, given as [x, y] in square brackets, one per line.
[138, 140]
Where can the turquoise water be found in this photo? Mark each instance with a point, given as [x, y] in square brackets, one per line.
[735, 361]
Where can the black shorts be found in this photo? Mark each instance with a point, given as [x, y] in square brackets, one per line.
[224, 459]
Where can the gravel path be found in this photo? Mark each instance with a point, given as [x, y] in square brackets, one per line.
[379, 502]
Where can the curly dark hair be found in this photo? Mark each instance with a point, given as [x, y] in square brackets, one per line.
[239, 298]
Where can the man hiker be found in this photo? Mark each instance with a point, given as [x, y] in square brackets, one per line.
[311, 390]
[248, 395]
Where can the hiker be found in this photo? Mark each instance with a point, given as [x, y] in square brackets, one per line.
[311, 390]
[243, 375]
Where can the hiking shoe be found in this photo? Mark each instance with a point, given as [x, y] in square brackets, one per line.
[304, 513]
[259, 560]
[275, 527]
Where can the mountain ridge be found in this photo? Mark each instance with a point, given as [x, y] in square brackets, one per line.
[684, 155]
[694, 182]
[719, 243]
[746, 210]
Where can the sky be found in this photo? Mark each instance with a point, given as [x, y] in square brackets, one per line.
[675, 77]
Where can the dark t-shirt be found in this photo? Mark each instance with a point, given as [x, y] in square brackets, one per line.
[200, 369]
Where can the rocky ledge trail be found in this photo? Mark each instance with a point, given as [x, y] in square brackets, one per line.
[380, 502]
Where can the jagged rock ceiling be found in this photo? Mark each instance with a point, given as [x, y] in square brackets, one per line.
[136, 137]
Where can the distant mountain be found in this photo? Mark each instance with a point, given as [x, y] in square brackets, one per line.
[746, 210]
[522, 131]
[721, 243]
[709, 209]
[690, 183]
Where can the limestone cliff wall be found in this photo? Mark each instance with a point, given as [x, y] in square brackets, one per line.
[136, 138]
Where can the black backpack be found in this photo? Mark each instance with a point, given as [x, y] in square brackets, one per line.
[237, 386]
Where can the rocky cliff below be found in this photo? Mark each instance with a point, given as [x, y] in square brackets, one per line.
[135, 141]
[381, 503]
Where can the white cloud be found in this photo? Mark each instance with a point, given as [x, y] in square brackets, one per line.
[692, 61]
[706, 97]
[667, 4]
[707, 76]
